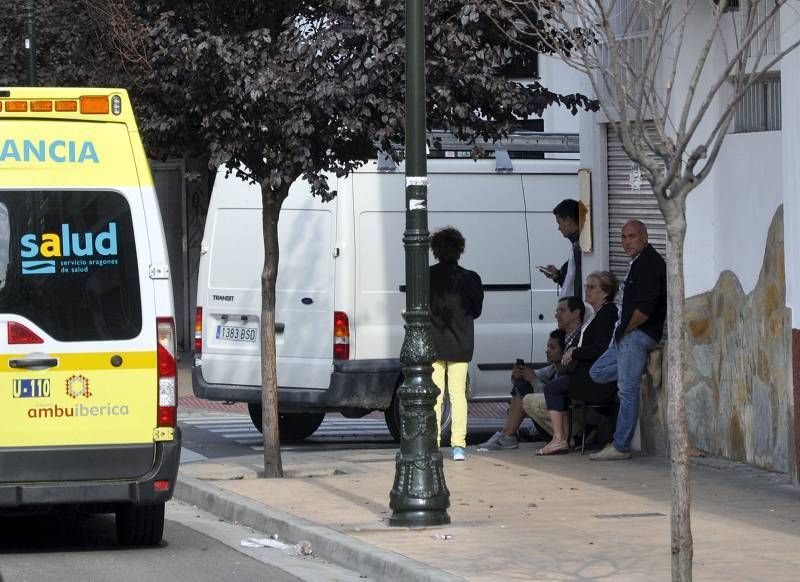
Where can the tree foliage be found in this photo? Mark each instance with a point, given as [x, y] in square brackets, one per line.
[286, 88]
[68, 53]
[280, 90]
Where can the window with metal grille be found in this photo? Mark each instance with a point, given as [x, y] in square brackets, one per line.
[629, 24]
[760, 108]
[757, 16]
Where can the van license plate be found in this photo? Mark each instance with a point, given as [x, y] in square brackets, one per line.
[236, 333]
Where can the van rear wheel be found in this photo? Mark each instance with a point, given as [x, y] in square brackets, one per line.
[140, 525]
[292, 426]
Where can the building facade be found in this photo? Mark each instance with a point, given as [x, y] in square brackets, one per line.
[742, 263]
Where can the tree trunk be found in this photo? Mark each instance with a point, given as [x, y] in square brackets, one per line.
[676, 415]
[271, 202]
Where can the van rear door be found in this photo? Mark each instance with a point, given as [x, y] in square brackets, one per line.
[77, 321]
[488, 209]
[304, 289]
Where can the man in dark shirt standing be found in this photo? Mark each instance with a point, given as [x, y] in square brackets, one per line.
[639, 329]
[456, 301]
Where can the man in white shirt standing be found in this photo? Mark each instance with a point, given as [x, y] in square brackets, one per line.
[568, 277]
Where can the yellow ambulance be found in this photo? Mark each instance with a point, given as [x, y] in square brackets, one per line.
[87, 334]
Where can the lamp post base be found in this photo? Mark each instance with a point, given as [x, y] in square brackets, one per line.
[419, 518]
[419, 497]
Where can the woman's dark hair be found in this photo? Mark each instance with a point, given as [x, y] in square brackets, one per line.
[447, 244]
[560, 336]
[567, 209]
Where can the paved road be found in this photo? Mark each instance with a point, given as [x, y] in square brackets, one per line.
[197, 547]
[215, 435]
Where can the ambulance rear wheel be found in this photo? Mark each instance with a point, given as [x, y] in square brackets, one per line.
[292, 426]
[140, 525]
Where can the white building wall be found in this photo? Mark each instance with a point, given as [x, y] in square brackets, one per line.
[560, 78]
[729, 214]
[699, 253]
[593, 156]
[749, 191]
[702, 218]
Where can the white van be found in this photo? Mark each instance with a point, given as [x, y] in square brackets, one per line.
[341, 283]
[87, 334]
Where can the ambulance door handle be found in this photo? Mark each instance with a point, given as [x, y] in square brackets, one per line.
[34, 363]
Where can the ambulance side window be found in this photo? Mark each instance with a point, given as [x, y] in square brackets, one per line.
[70, 264]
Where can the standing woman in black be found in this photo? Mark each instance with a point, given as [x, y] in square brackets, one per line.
[600, 289]
[456, 301]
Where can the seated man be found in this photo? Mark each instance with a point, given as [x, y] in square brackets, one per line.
[535, 406]
[569, 316]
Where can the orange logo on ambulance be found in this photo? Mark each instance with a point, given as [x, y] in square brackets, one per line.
[77, 386]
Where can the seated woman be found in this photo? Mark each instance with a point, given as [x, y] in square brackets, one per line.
[601, 288]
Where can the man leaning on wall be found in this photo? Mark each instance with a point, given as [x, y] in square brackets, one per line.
[639, 329]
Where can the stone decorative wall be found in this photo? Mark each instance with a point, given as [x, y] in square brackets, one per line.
[739, 390]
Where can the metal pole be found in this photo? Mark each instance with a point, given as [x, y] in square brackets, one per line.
[30, 42]
[419, 496]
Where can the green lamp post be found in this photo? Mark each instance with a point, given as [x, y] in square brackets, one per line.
[419, 496]
[30, 42]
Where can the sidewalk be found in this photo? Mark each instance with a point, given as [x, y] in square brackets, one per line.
[514, 516]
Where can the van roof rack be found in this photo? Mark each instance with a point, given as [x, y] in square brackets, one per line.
[518, 141]
[518, 145]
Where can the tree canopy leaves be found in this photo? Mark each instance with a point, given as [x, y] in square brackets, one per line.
[287, 89]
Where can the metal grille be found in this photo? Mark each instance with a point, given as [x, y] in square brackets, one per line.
[760, 108]
[628, 17]
[632, 58]
[768, 35]
[626, 202]
[631, 29]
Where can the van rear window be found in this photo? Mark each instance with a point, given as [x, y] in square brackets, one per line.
[68, 263]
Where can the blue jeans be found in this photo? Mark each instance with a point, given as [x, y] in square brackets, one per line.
[624, 362]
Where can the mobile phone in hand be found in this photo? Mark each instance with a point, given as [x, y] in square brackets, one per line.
[544, 271]
[520, 363]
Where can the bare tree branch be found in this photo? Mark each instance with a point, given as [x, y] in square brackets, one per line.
[124, 34]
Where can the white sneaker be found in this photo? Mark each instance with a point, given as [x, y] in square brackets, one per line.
[459, 454]
[492, 440]
[501, 444]
[610, 453]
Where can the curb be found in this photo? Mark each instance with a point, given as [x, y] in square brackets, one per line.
[327, 543]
